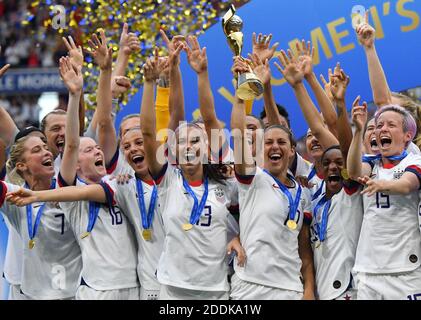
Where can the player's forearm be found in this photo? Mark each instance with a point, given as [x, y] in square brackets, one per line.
[207, 111]
[206, 101]
[106, 131]
[402, 186]
[148, 127]
[343, 128]
[71, 149]
[270, 105]
[176, 98]
[8, 129]
[326, 106]
[242, 152]
[121, 64]
[313, 118]
[354, 161]
[81, 114]
[72, 121]
[381, 92]
[93, 192]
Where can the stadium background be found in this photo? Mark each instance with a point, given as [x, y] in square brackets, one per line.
[30, 43]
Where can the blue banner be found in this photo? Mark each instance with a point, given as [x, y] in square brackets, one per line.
[328, 24]
[37, 81]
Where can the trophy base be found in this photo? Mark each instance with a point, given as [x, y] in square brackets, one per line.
[249, 86]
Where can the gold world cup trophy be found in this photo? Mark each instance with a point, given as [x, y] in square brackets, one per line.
[249, 85]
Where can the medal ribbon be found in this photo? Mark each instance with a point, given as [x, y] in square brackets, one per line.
[318, 192]
[32, 230]
[370, 158]
[293, 204]
[93, 215]
[146, 218]
[322, 226]
[312, 173]
[197, 208]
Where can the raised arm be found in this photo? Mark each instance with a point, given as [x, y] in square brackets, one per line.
[198, 61]
[340, 82]
[325, 104]
[262, 54]
[151, 70]
[293, 72]
[76, 59]
[356, 168]
[243, 159]
[73, 80]
[8, 129]
[366, 35]
[176, 99]
[107, 137]
[92, 192]
[409, 182]
[129, 43]
[262, 70]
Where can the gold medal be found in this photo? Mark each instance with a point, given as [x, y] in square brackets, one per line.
[318, 243]
[147, 234]
[187, 226]
[345, 174]
[31, 244]
[292, 224]
[85, 234]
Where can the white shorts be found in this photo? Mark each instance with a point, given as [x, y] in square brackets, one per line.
[244, 290]
[16, 294]
[397, 286]
[148, 294]
[175, 293]
[87, 293]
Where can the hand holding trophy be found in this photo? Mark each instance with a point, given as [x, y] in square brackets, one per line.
[249, 85]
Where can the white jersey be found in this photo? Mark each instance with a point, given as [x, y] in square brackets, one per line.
[51, 269]
[119, 165]
[109, 252]
[194, 259]
[13, 261]
[57, 163]
[271, 247]
[390, 236]
[315, 180]
[149, 251]
[335, 256]
[12, 268]
[302, 167]
[413, 148]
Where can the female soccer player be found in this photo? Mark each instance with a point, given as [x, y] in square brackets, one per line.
[272, 232]
[101, 230]
[51, 256]
[388, 253]
[335, 229]
[194, 199]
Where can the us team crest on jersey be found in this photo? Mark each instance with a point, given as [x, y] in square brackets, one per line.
[220, 195]
[397, 174]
